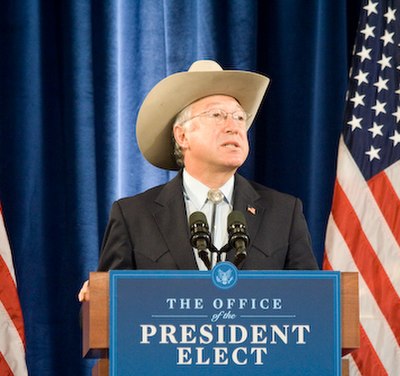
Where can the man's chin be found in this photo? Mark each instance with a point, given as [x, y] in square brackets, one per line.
[233, 165]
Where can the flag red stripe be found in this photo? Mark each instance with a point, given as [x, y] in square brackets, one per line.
[366, 358]
[326, 265]
[10, 300]
[366, 259]
[388, 201]
[4, 368]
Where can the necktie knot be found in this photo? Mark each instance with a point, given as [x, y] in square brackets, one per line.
[215, 196]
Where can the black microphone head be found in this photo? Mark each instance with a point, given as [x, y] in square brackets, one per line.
[236, 218]
[198, 217]
[238, 238]
[200, 237]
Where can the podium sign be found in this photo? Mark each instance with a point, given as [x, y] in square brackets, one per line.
[225, 322]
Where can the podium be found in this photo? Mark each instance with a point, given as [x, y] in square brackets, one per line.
[96, 314]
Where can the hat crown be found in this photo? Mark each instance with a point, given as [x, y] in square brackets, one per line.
[205, 66]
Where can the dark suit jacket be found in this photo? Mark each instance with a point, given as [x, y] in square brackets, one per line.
[150, 230]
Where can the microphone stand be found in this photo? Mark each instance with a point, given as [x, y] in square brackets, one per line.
[226, 249]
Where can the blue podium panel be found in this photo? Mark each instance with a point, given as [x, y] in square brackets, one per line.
[225, 322]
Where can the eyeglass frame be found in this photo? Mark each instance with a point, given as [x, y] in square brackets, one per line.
[225, 116]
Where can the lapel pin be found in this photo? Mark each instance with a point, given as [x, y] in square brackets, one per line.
[251, 210]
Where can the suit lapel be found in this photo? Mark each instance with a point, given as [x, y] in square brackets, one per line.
[245, 200]
[170, 215]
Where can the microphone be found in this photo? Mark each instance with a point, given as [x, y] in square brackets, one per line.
[200, 237]
[238, 238]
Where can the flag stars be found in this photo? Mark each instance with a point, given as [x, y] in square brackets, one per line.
[387, 38]
[373, 153]
[361, 77]
[379, 108]
[376, 130]
[365, 53]
[397, 114]
[358, 100]
[368, 31]
[372, 119]
[381, 84]
[371, 7]
[390, 15]
[355, 123]
[395, 138]
[384, 62]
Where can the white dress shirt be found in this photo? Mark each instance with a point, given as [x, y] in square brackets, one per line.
[195, 194]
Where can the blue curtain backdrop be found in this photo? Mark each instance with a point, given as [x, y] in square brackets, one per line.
[72, 77]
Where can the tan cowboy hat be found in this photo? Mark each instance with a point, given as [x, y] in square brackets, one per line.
[175, 92]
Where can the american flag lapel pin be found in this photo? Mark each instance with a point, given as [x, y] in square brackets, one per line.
[251, 209]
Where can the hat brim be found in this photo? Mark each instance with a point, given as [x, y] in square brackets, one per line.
[174, 93]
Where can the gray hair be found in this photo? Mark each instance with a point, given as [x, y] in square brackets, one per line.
[180, 120]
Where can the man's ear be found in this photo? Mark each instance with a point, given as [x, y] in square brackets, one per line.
[180, 136]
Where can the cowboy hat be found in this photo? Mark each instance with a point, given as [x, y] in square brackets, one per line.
[175, 92]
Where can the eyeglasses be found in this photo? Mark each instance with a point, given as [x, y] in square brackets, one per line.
[219, 116]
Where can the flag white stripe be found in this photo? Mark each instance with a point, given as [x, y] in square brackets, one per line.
[5, 251]
[353, 369]
[11, 345]
[371, 318]
[393, 174]
[342, 261]
[372, 221]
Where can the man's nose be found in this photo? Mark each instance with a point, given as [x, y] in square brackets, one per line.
[231, 126]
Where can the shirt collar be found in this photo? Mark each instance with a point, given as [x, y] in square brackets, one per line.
[197, 191]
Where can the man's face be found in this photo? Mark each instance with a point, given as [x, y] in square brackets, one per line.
[214, 145]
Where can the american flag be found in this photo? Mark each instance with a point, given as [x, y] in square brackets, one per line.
[363, 232]
[12, 335]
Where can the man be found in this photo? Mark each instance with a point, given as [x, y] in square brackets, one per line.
[208, 111]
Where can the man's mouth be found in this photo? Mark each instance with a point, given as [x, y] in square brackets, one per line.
[231, 145]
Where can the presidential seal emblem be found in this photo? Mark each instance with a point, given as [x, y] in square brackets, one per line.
[224, 275]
